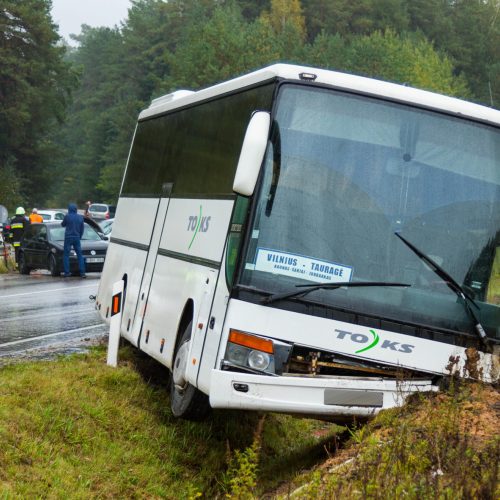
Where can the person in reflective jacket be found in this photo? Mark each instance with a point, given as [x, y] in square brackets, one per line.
[73, 222]
[18, 225]
[35, 217]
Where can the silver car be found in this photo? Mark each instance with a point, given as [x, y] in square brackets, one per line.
[99, 211]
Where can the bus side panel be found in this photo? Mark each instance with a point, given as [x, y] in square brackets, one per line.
[196, 229]
[174, 283]
[135, 218]
[127, 254]
[122, 260]
[190, 251]
[214, 332]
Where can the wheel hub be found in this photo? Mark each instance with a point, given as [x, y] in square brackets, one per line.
[179, 368]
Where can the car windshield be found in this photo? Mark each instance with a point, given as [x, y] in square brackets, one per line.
[45, 216]
[344, 173]
[89, 234]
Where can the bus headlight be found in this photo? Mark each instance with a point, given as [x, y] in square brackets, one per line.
[258, 360]
[257, 353]
[236, 354]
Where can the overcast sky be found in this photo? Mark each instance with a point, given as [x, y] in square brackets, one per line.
[71, 14]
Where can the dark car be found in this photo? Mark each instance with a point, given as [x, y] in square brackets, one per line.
[43, 244]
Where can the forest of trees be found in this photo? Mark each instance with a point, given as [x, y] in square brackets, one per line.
[67, 114]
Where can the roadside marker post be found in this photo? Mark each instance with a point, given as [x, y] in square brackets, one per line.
[114, 323]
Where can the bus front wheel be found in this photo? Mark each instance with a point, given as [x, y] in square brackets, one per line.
[186, 400]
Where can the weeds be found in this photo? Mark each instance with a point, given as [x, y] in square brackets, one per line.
[6, 266]
[437, 446]
[242, 471]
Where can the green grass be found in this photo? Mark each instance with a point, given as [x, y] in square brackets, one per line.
[77, 428]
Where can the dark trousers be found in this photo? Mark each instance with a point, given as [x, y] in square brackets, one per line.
[17, 247]
[73, 241]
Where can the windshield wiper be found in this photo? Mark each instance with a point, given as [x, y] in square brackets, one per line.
[467, 300]
[326, 286]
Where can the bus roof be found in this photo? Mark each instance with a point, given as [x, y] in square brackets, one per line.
[343, 81]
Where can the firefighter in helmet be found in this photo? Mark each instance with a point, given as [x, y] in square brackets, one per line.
[18, 225]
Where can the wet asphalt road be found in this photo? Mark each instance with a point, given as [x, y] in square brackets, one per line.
[41, 316]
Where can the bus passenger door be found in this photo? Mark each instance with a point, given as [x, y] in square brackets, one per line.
[147, 276]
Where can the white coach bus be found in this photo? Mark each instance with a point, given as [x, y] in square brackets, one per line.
[306, 241]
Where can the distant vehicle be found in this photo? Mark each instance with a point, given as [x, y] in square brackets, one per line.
[52, 215]
[4, 219]
[107, 227]
[100, 211]
[43, 244]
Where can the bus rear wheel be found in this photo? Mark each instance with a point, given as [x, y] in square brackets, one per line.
[186, 400]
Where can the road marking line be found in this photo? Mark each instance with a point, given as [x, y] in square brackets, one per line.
[57, 313]
[47, 291]
[23, 341]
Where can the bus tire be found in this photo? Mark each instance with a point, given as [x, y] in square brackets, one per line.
[186, 400]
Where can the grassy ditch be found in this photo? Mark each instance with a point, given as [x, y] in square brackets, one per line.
[441, 445]
[77, 428]
[6, 267]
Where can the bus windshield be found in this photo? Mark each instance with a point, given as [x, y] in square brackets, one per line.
[343, 174]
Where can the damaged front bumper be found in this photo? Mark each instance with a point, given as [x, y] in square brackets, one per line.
[320, 396]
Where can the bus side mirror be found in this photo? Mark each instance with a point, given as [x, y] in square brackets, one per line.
[252, 153]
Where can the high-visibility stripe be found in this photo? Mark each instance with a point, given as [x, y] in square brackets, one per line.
[17, 226]
[17, 244]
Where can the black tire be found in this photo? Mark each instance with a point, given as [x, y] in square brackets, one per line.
[53, 267]
[186, 400]
[23, 268]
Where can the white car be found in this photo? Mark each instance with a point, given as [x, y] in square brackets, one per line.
[52, 215]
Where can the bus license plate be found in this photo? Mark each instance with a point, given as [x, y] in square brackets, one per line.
[94, 259]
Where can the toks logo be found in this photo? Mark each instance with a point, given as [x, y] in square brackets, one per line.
[360, 338]
[197, 223]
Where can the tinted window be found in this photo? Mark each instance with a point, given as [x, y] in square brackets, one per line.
[196, 149]
[28, 234]
[59, 216]
[57, 233]
[98, 208]
[42, 233]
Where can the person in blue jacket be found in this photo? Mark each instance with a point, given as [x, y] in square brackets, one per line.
[73, 222]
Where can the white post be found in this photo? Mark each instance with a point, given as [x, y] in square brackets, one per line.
[114, 323]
